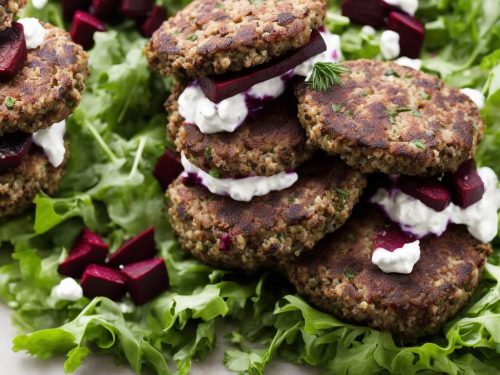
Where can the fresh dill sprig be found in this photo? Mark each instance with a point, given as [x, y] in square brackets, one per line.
[325, 75]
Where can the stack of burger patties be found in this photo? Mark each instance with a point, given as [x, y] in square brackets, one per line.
[274, 166]
[42, 74]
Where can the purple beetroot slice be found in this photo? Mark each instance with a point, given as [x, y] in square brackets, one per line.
[167, 168]
[366, 12]
[100, 281]
[138, 248]
[391, 237]
[219, 88]
[136, 9]
[93, 239]
[13, 51]
[430, 191]
[69, 7]
[104, 9]
[13, 149]
[467, 185]
[146, 279]
[155, 19]
[83, 27]
[411, 33]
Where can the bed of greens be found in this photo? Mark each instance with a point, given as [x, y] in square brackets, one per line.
[117, 134]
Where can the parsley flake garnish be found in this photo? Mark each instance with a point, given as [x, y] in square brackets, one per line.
[419, 144]
[425, 96]
[325, 75]
[9, 102]
[214, 172]
[192, 37]
[336, 108]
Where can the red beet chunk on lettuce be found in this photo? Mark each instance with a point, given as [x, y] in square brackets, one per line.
[366, 12]
[155, 19]
[146, 279]
[391, 238]
[89, 249]
[83, 27]
[467, 185]
[167, 168]
[104, 9]
[138, 248]
[430, 191]
[13, 51]
[100, 281]
[13, 149]
[411, 33]
[69, 7]
[136, 9]
[219, 88]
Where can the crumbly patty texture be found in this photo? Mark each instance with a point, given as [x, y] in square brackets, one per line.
[339, 277]
[8, 10]
[47, 89]
[218, 36]
[19, 186]
[392, 119]
[270, 142]
[270, 228]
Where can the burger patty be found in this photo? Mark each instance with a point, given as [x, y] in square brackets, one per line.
[251, 236]
[339, 277]
[218, 36]
[392, 119]
[8, 10]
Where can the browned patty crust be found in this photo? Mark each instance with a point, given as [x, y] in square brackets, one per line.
[19, 186]
[47, 89]
[8, 10]
[392, 119]
[270, 142]
[270, 228]
[339, 277]
[218, 36]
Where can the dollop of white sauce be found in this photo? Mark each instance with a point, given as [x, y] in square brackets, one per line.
[368, 30]
[51, 140]
[410, 63]
[34, 32]
[243, 189]
[39, 4]
[68, 290]
[400, 260]
[481, 218]
[272, 88]
[408, 6]
[389, 44]
[476, 96]
[332, 54]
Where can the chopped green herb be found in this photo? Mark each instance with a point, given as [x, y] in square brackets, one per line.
[9, 102]
[474, 127]
[416, 113]
[350, 274]
[336, 108]
[214, 172]
[390, 72]
[419, 144]
[350, 114]
[342, 194]
[363, 93]
[208, 153]
[393, 114]
[192, 37]
[425, 96]
[219, 5]
[291, 199]
[325, 75]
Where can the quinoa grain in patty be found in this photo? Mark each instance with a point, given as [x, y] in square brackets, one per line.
[8, 11]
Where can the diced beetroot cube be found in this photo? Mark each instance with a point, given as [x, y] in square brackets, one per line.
[100, 281]
[138, 248]
[136, 9]
[467, 185]
[146, 279]
[392, 238]
[411, 33]
[218, 88]
[167, 168]
[366, 12]
[83, 27]
[104, 9]
[13, 148]
[430, 191]
[88, 249]
[155, 19]
[69, 7]
[13, 51]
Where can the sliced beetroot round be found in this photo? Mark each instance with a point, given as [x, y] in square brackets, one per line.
[146, 279]
[13, 51]
[366, 12]
[88, 249]
[100, 281]
[468, 187]
[138, 248]
[155, 19]
[411, 33]
[167, 168]
[136, 9]
[392, 238]
[430, 191]
[69, 7]
[83, 27]
[219, 88]
[104, 9]
[13, 149]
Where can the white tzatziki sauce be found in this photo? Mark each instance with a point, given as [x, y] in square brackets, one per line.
[51, 140]
[410, 63]
[408, 6]
[68, 290]
[475, 95]
[400, 260]
[389, 45]
[34, 32]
